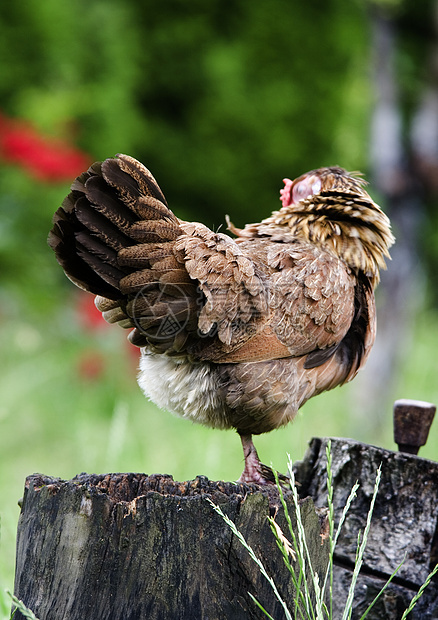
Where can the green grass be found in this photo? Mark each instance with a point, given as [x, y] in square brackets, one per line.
[21, 607]
[310, 600]
[310, 594]
[55, 422]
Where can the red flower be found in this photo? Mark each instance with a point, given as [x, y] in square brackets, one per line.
[88, 315]
[47, 159]
[91, 365]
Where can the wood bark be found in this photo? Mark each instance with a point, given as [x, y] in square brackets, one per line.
[131, 547]
[404, 525]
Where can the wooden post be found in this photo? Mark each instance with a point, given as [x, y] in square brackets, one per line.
[404, 524]
[134, 547]
[412, 421]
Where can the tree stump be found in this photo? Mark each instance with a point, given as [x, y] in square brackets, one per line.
[133, 547]
[404, 524]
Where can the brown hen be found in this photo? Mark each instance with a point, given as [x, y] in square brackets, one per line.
[234, 333]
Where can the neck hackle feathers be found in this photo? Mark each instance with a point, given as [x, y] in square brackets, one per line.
[331, 208]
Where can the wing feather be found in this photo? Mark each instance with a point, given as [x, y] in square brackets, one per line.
[235, 289]
[312, 297]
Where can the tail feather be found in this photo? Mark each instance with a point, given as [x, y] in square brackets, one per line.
[101, 258]
[106, 201]
[101, 227]
[151, 208]
[143, 255]
[74, 258]
[154, 231]
[115, 237]
[113, 206]
[132, 180]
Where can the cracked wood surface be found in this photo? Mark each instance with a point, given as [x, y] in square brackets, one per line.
[404, 524]
[131, 547]
[134, 546]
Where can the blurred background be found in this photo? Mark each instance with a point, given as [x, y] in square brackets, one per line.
[221, 100]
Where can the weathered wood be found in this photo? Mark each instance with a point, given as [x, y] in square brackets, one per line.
[404, 525]
[131, 547]
[412, 421]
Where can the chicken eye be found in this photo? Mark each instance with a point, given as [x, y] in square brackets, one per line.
[305, 188]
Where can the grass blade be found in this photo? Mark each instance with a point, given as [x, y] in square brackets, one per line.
[332, 535]
[256, 602]
[420, 592]
[301, 573]
[251, 552]
[301, 596]
[305, 549]
[27, 613]
[331, 518]
[364, 615]
[285, 549]
[361, 550]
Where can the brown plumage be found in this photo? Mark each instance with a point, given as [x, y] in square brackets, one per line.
[235, 333]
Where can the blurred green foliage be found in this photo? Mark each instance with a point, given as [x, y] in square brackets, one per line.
[220, 100]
